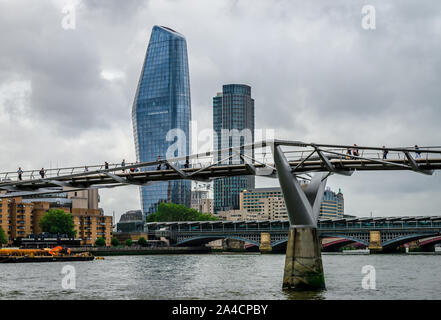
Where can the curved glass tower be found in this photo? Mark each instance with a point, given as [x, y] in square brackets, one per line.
[162, 103]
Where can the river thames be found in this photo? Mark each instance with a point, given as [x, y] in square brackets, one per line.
[221, 276]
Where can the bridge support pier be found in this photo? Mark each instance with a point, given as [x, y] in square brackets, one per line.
[303, 262]
[375, 242]
[265, 243]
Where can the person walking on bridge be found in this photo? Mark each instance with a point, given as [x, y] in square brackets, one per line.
[355, 152]
[123, 164]
[417, 153]
[19, 172]
[385, 152]
[159, 165]
[106, 165]
[42, 173]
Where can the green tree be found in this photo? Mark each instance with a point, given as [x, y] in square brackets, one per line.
[3, 237]
[57, 221]
[114, 242]
[142, 241]
[178, 212]
[129, 242]
[100, 242]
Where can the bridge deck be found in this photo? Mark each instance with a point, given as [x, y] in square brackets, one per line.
[142, 177]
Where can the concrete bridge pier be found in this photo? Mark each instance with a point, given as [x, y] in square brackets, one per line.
[265, 243]
[303, 262]
[375, 242]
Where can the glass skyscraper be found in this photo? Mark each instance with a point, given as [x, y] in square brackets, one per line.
[233, 118]
[162, 103]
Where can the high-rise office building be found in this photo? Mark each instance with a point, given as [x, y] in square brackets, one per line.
[161, 107]
[233, 124]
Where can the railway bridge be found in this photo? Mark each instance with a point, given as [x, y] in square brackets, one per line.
[383, 234]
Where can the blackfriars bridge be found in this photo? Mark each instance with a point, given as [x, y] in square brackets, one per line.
[379, 234]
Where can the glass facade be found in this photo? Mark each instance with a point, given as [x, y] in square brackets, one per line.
[233, 111]
[162, 103]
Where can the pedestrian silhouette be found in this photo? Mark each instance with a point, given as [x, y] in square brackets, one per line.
[385, 152]
[355, 152]
[159, 165]
[417, 153]
[19, 172]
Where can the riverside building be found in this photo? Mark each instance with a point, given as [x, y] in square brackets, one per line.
[269, 204]
[131, 221]
[20, 217]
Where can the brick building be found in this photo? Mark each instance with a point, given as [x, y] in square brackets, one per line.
[20, 217]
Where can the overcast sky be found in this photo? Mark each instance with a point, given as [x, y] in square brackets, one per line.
[316, 75]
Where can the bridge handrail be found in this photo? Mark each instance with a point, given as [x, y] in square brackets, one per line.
[204, 160]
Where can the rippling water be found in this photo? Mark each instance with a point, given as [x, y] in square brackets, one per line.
[221, 276]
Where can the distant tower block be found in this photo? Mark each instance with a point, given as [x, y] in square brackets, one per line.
[233, 113]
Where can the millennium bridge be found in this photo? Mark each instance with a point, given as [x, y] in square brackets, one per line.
[301, 160]
[379, 234]
[291, 162]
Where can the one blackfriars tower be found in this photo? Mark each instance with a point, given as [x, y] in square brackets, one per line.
[160, 110]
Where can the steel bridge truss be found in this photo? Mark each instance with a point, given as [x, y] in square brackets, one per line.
[297, 161]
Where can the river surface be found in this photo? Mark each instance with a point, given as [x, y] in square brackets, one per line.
[219, 276]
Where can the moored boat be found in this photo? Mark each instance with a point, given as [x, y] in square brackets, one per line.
[42, 255]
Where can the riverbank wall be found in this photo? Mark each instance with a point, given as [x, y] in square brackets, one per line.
[121, 251]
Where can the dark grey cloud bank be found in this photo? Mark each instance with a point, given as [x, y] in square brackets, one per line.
[316, 75]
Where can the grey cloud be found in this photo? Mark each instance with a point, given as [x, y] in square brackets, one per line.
[316, 75]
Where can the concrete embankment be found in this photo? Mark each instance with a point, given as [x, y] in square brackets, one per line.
[142, 251]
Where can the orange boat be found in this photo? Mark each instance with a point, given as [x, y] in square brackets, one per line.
[42, 255]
